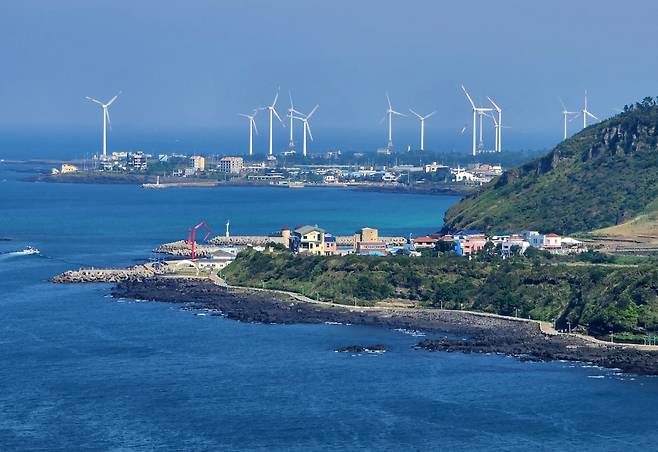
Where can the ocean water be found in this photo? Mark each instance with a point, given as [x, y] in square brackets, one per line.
[82, 371]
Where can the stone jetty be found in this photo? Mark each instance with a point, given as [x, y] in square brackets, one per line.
[93, 275]
[182, 248]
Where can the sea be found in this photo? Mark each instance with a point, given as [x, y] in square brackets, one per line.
[83, 371]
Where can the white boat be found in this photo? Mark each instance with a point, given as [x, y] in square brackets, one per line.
[30, 250]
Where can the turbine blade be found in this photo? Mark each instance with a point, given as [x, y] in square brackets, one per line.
[276, 96]
[277, 115]
[107, 115]
[430, 115]
[419, 116]
[113, 99]
[308, 127]
[591, 115]
[469, 97]
[389, 101]
[308, 116]
[494, 104]
[94, 100]
[254, 124]
[564, 108]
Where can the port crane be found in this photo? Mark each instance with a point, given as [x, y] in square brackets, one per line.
[191, 237]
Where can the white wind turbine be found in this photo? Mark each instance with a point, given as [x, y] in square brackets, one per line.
[106, 119]
[566, 113]
[307, 128]
[422, 126]
[476, 110]
[390, 112]
[499, 126]
[272, 111]
[291, 113]
[252, 129]
[587, 113]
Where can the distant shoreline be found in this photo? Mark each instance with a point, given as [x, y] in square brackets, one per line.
[171, 182]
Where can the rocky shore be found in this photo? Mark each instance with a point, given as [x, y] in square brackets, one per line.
[475, 333]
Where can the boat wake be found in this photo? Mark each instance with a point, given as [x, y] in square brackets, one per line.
[25, 252]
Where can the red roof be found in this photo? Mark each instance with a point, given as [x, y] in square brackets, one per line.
[425, 240]
[552, 235]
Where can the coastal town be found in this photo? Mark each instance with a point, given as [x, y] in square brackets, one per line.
[327, 169]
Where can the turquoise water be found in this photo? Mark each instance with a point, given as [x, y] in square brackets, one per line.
[83, 371]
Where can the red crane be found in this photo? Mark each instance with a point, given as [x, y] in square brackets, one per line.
[192, 235]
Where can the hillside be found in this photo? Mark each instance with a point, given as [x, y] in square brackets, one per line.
[605, 175]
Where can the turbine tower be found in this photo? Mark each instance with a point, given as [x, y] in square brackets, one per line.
[272, 111]
[587, 113]
[422, 127]
[499, 126]
[565, 114]
[291, 113]
[106, 119]
[307, 128]
[476, 111]
[228, 222]
[390, 112]
[252, 128]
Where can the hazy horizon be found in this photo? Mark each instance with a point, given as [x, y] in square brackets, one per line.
[189, 68]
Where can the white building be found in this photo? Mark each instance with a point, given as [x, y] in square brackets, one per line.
[232, 165]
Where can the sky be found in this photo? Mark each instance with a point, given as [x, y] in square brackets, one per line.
[186, 69]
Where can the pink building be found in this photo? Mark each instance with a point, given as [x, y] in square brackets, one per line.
[470, 245]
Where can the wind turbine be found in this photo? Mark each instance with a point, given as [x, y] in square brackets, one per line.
[390, 112]
[252, 128]
[565, 114]
[106, 119]
[272, 111]
[499, 126]
[228, 222]
[587, 113]
[307, 128]
[422, 127]
[291, 113]
[476, 110]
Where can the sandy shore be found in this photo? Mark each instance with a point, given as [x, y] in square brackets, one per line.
[474, 333]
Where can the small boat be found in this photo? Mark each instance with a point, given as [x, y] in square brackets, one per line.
[30, 250]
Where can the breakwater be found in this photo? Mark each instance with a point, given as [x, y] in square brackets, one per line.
[93, 275]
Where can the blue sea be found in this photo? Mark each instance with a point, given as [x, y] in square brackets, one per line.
[83, 371]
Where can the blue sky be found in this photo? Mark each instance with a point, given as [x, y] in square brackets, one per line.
[187, 68]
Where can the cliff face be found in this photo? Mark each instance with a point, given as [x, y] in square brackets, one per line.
[604, 175]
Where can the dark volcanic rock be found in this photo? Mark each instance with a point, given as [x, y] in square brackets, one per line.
[378, 348]
[474, 333]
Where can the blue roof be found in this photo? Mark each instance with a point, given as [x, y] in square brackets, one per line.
[329, 238]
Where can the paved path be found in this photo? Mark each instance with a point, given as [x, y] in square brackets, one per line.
[544, 327]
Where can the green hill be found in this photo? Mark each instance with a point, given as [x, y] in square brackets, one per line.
[603, 176]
